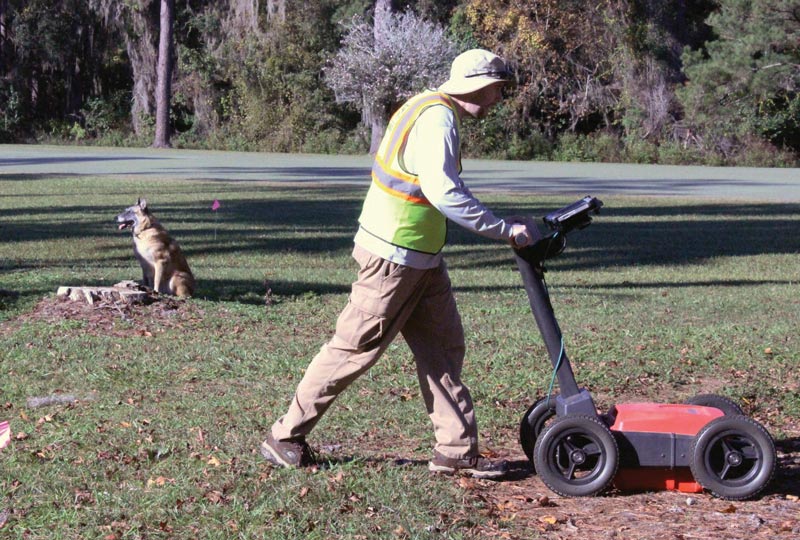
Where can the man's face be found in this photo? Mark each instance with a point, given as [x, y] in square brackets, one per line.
[479, 103]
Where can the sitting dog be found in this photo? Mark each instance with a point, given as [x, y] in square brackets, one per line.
[163, 265]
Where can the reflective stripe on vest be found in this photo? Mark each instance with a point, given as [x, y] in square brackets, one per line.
[395, 209]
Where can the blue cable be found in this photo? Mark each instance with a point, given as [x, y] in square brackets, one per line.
[555, 371]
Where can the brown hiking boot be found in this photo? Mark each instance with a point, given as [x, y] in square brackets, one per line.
[476, 466]
[289, 454]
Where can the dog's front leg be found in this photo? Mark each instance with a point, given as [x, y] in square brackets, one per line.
[158, 275]
[147, 278]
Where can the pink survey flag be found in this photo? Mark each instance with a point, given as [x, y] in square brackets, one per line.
[215, 205]
[5, 434]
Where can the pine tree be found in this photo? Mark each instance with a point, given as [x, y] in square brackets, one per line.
[747, 81]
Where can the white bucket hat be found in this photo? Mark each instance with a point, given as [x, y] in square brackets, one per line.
[473, 70]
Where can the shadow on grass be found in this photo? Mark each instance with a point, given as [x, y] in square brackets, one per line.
[517, 469]
[320, 220]
[260, 292]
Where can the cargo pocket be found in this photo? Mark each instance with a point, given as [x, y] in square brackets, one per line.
[358, 328]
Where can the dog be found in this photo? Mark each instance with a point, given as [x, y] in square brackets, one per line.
[163, 265]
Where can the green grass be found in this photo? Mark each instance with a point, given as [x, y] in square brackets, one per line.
[659, 299]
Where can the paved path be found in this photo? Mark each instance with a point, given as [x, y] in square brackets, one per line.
[528, 176]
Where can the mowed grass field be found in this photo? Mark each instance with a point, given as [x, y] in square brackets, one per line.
[659, 299]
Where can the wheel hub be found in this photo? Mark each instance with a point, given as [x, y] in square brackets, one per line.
[578, 457]
[734, 459]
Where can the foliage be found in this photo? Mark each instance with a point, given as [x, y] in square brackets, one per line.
[264, 91]
[716, 80]
[745, 84]
[50, 58]
[560, 53]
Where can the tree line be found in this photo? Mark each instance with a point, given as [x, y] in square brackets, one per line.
[651, 81]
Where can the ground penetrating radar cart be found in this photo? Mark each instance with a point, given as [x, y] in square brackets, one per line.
[577, 451]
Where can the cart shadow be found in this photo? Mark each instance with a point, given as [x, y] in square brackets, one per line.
[787, 474]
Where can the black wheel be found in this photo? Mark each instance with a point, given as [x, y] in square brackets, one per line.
[576, 456]
[725, 404]
[733, 457]
[534, 422]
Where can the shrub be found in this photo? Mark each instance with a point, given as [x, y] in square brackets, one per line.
[639, 150]
[570, 147]
[759, 153]
[604, 147]
[675, 153]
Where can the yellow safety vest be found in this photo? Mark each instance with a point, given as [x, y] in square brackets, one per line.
[395, 209]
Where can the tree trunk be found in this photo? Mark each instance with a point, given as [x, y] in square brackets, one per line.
[374, 115]
[164, 73]
[3, 35]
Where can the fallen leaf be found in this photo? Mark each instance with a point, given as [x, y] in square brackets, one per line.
[214, 497]
[730, 509]
[84, 498]
[159, 481]
[45, 453]
[213, 461]
[552, 520]
[303, 492]
[506, 506]
[466, 483]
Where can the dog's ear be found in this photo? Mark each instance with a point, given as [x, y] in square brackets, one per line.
[142, 204]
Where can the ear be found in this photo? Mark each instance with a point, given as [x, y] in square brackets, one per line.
[142, 204]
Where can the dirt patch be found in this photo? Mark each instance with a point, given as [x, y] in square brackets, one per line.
[114, 318]
[525, 508]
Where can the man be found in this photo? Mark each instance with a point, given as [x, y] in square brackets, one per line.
[402, 285]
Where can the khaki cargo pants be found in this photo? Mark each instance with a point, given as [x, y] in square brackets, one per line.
[388, 299]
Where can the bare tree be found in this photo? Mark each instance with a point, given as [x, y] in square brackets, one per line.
[381, 64]
[165, 66]
[374, 113]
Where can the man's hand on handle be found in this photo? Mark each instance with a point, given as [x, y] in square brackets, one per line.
[524, 232]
